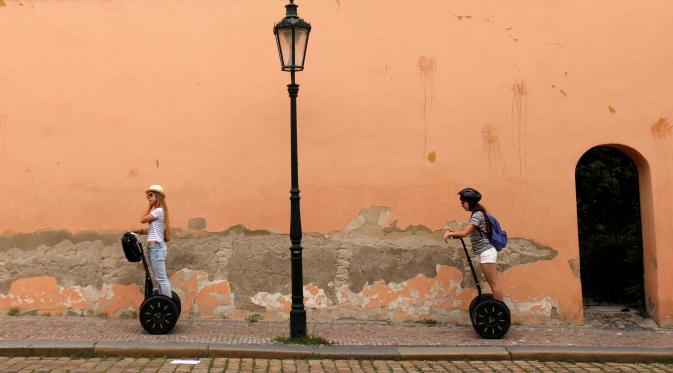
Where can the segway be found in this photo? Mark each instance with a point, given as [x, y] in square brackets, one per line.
[490, 317]
[158, 313]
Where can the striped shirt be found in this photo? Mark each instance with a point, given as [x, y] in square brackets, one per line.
[479, 241]
[155, 232]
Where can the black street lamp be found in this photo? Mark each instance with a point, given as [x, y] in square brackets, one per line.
[292, 39]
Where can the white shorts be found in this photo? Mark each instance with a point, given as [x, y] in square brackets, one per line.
[488, 256]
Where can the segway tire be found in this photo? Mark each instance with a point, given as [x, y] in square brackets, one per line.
[491, 319]
[476, 300]
[176, 300]
[158, 314]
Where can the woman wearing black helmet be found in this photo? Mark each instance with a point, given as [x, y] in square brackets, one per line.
[476, 228]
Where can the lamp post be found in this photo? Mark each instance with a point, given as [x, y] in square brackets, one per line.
[292, 39]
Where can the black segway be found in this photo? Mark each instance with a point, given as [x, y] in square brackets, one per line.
[490, 317]
[158, 313]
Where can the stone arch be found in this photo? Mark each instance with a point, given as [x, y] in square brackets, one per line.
[646, 220]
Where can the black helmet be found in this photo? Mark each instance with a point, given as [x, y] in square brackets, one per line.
[470, 195]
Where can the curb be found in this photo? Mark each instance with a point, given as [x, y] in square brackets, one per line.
[453, 353]
[592, 354]
[277, 351]
[142, 349]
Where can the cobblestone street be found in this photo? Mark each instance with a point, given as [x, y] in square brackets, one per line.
[118, 365]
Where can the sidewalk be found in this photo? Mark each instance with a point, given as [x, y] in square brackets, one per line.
[80, 336]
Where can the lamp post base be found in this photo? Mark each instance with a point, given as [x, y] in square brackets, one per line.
[298, 324]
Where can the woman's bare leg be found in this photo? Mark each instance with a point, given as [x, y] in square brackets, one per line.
[491, 273]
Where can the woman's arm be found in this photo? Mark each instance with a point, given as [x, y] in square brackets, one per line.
[140, 231]
[469, 228]
[147, 218]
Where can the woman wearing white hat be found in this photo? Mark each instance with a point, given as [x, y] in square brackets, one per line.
[158, 232]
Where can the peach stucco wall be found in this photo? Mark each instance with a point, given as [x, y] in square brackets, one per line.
[401, 105]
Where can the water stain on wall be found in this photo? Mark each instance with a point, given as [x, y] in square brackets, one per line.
[432, 156]
[611, 109]
[427, 68]
[132, 172]
[519, 112]
[661, 129]
[491, 147]
[661, 132]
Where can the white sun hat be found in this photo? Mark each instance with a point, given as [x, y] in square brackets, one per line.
[156, 188]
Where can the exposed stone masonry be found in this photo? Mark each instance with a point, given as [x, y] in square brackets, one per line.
[367, 271]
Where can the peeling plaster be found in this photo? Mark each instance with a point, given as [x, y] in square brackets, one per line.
[575, 267]
[314, 298]
[366, 271]
[534, 311]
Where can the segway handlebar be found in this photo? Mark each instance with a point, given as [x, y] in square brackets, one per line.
[469, 261]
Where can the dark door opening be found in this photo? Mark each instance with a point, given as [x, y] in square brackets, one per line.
[610, 237]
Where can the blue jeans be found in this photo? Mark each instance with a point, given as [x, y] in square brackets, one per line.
[158, 253]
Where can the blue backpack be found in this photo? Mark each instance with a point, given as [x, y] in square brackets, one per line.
[498, 237]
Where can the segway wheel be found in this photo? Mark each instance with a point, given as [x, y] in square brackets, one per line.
[176, 300]
[158, 314]
[491, 319]
[476, 300]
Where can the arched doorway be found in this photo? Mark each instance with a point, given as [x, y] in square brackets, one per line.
[610, 234]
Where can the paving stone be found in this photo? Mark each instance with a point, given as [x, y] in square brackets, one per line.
[22, 329]
[222, 339]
